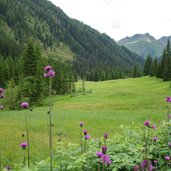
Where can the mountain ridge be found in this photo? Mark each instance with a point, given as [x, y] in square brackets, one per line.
[145, 44]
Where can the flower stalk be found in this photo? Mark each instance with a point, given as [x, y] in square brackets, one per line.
[25, 105]
[28, 140]
[81, 136]
[49, 73]
[23, 146]
[50, 125]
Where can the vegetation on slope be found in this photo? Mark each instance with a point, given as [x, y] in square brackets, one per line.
[48, 24]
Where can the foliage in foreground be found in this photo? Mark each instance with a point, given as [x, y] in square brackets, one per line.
[137, 149]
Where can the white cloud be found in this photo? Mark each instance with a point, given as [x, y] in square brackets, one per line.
[121, 18]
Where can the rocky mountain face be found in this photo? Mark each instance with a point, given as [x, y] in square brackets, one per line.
[145, 44]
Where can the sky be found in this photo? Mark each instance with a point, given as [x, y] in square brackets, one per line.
[121, 18]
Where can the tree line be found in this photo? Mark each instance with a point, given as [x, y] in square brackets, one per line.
[23, 76]
[159, 67]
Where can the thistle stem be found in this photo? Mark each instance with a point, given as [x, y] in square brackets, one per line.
[24, 158]
[50, 124]
[28, 140]
[81, 141]
[85, 146]
[168, 112]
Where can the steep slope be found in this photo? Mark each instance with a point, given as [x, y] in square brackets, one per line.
[59, 35]
[145, 44]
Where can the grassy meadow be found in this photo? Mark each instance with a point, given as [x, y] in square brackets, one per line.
[109, 105]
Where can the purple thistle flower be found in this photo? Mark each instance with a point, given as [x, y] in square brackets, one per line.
[170, 145]
[167, 158]
[23, 145]
[85, 132]
[154, 126]
[47, 68]
[24, 105]
[87, 137]
[105, 135]
[168, 99]
[50, 73]
[1, 90]
[99, 154]
[136, 167]
[155, 162]
[104, 149]
[147, 123]
[106, 159]
[81, 124]
[2, 96]
[154, 138]
[144, 163]
[150, 167]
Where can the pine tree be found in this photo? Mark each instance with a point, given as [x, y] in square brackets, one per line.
[155, 67]
[135, 72]
[30, 60]
[148, 66]
[166, 63]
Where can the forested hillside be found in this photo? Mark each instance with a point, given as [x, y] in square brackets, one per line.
[95, 56]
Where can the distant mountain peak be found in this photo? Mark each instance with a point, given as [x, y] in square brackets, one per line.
[145, 44]
[138, 37]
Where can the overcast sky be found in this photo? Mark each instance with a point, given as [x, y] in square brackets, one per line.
[121, 18]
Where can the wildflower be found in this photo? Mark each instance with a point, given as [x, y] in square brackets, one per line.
[168, 99]
[167, 158]
[99, 154]
[87, 137]
[170, 145]
[136, 167]
[104, 149]
[144, 163]
[1, 90]
[23, 145]
[154, 138]
[147, 123]
[47, 68]
[50, 73]
[150, 167]
[154, 126]
[105, 136]
[81, 124]
[24, 105]
[155, 162]
[106, 159]
[2, 96]
[85, 132]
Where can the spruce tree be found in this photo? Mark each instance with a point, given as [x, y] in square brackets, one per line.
[135, 72]
[30, 60]
[148, 66]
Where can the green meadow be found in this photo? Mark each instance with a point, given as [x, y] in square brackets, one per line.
[104, 108]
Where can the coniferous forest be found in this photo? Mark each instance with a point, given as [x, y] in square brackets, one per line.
[159, 67]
